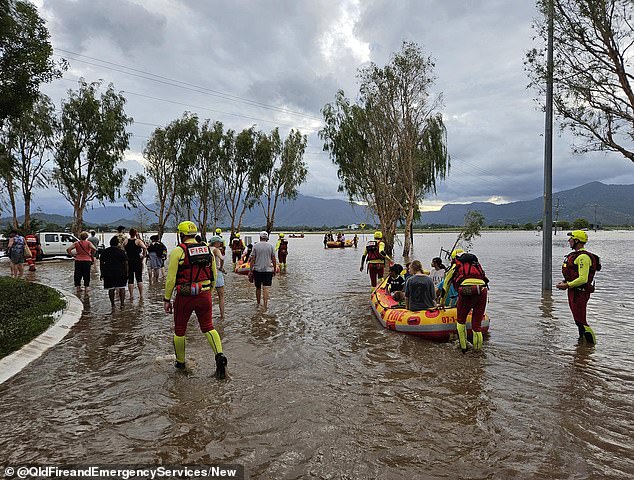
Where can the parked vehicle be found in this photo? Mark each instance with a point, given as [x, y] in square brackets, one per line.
[55, 243]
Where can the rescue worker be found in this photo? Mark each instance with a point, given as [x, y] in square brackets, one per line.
[237, 247]
[34, 245]
[218, 232]
[246, 256]
[281, 247]
[191, 273]
[375, 253]
[355, 240]
[468, 278]
[578, 270]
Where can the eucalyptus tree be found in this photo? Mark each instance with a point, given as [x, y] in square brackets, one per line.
[204, 177]
[169, 155]
[592, 75]
[25, 57]
[283, 169]
[92, 141]
[404, 108]
[363, 149]
[390, 146]
[29, 140]
[240, 174]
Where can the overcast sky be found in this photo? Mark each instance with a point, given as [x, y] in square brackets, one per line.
[277, 62]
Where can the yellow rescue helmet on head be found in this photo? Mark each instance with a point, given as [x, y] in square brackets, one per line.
[378, 235]
[456, 252]
[579, 235]
[187, 228]
[218, 231]
[238, 235]
[281, 235]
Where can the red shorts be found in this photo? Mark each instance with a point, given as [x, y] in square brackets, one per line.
[185, 306]
[281, 256]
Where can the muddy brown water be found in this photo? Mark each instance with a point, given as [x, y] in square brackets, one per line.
[318, 389]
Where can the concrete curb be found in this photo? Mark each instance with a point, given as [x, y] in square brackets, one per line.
[13, 363]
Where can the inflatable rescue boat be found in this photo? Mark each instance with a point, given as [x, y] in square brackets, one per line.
[434, 324]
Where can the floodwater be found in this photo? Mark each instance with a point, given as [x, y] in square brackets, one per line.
[318, 389]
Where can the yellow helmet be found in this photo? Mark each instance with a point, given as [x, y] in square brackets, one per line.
[456, 252]
[187, 228]
[579, 235]
[378, 235]
[218, 231]
[238, 235]
[281, 235]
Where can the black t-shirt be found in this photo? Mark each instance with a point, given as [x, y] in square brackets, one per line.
[395, 284]
[158, 248]
[113, 263]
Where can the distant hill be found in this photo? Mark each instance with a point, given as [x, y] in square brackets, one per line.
[614, 206]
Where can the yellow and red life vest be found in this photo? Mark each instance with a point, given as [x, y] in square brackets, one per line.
[196, 266]
[570, 269]
[468, 266]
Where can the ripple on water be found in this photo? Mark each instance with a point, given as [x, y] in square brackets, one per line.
[318, 388]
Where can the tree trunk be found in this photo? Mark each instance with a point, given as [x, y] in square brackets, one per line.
[409, 220]
[78, 218]
[11, 192]
[27, 213]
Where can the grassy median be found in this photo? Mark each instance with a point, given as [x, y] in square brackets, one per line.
[26, 310]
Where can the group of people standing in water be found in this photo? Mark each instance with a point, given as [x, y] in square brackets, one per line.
[121, 263]
[196, 267]
[464, 285]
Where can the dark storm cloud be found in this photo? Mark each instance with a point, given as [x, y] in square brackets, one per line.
[126, 24]
[308, 92]
[296, 55]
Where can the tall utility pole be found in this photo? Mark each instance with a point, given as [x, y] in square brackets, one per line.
[547, 223]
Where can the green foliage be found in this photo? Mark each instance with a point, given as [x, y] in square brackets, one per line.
[564, 224]
[22, 318]
[204, 179]
[391, 146]
[25, 57]
[34, 226]
[29, 139]
[529, 226]
[91, 144]
[580, 224]
[592, 71]
[240, 174]
[473, 223]
[169, 154]
[282, 169]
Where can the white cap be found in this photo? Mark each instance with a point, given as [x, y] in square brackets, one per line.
[264, 235]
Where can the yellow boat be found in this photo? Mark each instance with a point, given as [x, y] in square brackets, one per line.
[347, 243]
[436, 324]
[242, 268]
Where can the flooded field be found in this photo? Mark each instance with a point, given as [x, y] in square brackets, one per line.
[317, 388]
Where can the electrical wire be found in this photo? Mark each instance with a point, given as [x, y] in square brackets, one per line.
[180, 84]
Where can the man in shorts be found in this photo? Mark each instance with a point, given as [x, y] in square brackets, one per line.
[263, 266]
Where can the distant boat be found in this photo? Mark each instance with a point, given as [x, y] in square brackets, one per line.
[301, 235]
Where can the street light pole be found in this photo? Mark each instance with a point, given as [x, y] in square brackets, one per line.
[547, 223]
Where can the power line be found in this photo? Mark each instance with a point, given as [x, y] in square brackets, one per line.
[181, 84]
[202, 108]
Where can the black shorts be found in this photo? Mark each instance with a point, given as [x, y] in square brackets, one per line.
[262, 278]
[135, 270]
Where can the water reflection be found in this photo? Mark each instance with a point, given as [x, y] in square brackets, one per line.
[318, 388]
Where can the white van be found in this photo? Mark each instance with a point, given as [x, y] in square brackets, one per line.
[55, 243]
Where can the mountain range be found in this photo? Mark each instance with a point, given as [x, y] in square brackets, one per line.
[607, 204]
